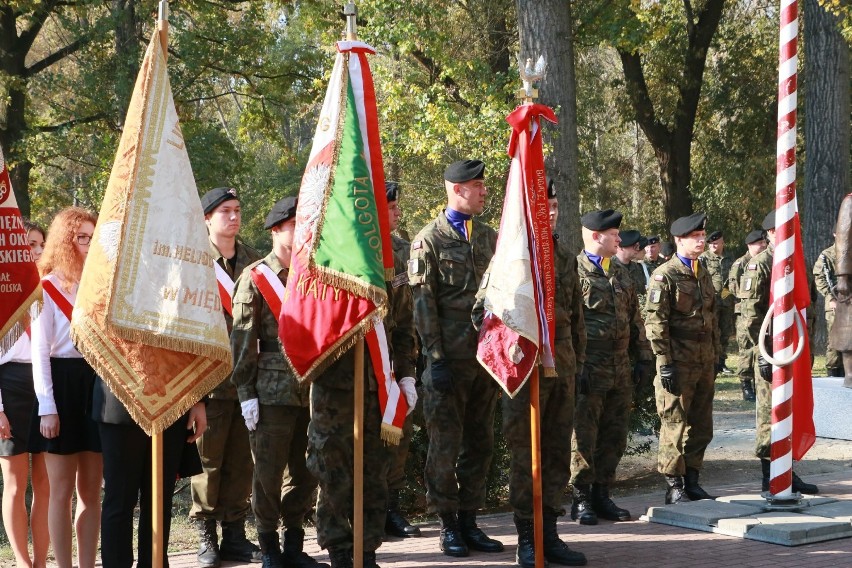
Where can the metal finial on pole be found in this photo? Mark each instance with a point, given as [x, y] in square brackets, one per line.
[530, 74]
[351, 13]
[163, 27]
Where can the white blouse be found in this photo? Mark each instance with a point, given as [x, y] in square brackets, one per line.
[19, 353]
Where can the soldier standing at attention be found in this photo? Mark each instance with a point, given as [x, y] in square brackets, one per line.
[625, 255]
[614, 331]
[448, 259]
[274, 405]
[753, 292]
[221, 492]
[681, 326]
[825, 275]
[719, 264]
[755, 242]
[396, 524]
[652, 258]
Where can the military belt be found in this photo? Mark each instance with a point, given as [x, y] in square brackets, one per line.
[269, 346]
[608, 344]
[455, 315]
[689, 335]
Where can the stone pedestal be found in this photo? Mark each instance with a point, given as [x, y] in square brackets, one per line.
[832, 408]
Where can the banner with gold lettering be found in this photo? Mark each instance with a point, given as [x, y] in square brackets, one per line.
[148, 316]
[19, 281]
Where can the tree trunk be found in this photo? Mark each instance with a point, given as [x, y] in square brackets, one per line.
[126, 54]
[545, 28]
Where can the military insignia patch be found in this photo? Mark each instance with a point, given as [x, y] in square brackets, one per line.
[747, 285]
[658, 277]
[752, 267]
[655, 296]
[416, 266]
[417, 245]
[400, 279]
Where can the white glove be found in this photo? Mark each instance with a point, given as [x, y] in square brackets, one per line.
[251, 413]
[406, 385]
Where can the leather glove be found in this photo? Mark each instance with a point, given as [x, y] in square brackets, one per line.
[765, 369]
[669, 379]
[251, 413]
[643, 372]
[582, 381]
[842, 289]
[442, 377]
[406, 385]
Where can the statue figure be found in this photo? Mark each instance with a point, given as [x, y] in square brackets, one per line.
[840, 335]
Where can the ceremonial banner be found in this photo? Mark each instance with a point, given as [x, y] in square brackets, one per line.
[148, 315]
[19, 280]
[519, 322]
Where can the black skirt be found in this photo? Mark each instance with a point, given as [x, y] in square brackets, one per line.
[16, 390]
[73, 381]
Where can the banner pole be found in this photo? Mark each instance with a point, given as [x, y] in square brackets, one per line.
[358, 478]
[157, 501]
[535, 447]
[163, 27]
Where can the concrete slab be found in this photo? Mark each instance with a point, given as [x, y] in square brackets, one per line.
[757, 501]
[697, 515]
[794, 529]
[837, 510]
[832, 402]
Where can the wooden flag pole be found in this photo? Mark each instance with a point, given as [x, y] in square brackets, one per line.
[535, 446]
[358, 478]
[163, 27]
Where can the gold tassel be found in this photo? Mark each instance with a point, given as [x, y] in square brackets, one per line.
[391, 434]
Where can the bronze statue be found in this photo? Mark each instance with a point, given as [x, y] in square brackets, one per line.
[840, 335]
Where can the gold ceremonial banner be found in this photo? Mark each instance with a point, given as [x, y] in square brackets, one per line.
[148, 316]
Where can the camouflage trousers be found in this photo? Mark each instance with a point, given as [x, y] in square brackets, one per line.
[461, 437]
[556, 406]
[745, 347]
[833, 359]
[763, 418]
[601, 421]
[278, 446]
[727, 322]
[396, 475]
[687, 420]
[331, 459]
[222, 490]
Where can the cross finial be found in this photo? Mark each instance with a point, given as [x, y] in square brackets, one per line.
[530, 75]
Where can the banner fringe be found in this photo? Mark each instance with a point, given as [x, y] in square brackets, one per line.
[19, 321]
[391, 435]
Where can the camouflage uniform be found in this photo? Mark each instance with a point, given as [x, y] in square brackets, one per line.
[745, 361]
[681, 326]
[221, 492]
[281, 437]
[719, 268]
[445, 272]
[649, 266]
[637, 276]
[825, 274]
[614, 331]
[330, 436]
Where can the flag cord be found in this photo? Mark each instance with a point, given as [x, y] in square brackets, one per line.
[764, 330]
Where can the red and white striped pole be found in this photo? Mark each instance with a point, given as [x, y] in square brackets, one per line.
[783, 321]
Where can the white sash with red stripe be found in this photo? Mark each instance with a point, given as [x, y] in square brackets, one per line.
[391, 400]
[58, 298]
[226, 288]
[270, 286]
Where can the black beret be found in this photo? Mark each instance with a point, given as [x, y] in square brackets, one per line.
[768, 221]
[685, 225]
[392, 191]
[283, 210]
[643, 242]
[754, 236]
[652, 240]
[212, 199]
[714, 236]
[464, 170]
[629, 238]
[667, 249]
[601, 220]
[551, 189]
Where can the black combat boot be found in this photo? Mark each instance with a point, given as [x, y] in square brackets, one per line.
[269, 550]
[294, 556]
[395, 523]
[525, 554]
[581, 508]
[235, 546]
[452, 543]
[604, 507]
[340, 557]
[747, 386]
[473, 535]
[674, 491]
[208, 543]
[835, 372]
[803, 486]
[690, 485]
[370, 560]
[555, 550]
[764, 470]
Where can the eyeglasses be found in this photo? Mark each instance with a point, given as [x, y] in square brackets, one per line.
[83, 239]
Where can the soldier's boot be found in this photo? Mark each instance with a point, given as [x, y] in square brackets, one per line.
[269, 550]
[452, 543]
[473, 535]
[835, 372]
[555, 550]
[235, 547]
[604, 506]
[582, 509]
[747, 386]
[294, 556]
[674, 490]
[525, 554]
[340, 557]
[395, 523]
[803, 486]
[690, 485]
[764, 470]
[370, 560]
[208, 543]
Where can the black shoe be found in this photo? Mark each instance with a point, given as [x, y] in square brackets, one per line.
[748, 390]
[604, 507]
[803, 486]
[340, 557]
[270, 550]
[690, 485]
[452, 543]
[674, 492]
[473, 535]
[370, 560]
[208, 544]
[555, 550]
[235, 547]
[293, 555]
[397, 525]
[525, 554]
[764, 470]
[835, 372]
[582, 510]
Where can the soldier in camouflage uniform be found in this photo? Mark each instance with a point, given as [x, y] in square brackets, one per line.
[556, 401]
[330, 436]
[825, 275]
[719, 264]
[396, 524]
[652, 259]
[753, 292]
[274, 404]
[614, 331]
[755, 242]
[221, 492]
[448, 259]
[626, 255]
[681, 326]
